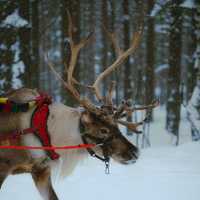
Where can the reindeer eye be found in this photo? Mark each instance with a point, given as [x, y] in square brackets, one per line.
[104, 130]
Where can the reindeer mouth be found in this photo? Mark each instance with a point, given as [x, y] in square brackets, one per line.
[127, 158]
[128, 162]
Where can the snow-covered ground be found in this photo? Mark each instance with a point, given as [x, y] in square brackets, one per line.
[163, 172]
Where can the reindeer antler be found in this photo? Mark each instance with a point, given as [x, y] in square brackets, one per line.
[126, 107]
[122, 56]
[107, 111]
[69, 83]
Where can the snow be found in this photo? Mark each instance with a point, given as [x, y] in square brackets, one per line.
[188, 4]
[193, 110]
[18, 67]
[3, 47]
[160, 4]
[197, 56]
[158, 7]
[161, 67]
[2, 82]
[14, 20]
[159, 174]
[162, 172]
[126, 17]
[162, 28]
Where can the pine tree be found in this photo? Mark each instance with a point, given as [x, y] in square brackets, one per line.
[35, 44]
[8, 45]
[25, 40]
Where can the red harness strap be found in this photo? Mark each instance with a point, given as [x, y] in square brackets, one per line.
[39, 122]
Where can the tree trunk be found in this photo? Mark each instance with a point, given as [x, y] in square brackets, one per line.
[104, 50]
[197, 23]
[127, 66]
[87, 58]
[174, 74]
[8, 39]
[35, 44]
[25, 39]
[149, 69]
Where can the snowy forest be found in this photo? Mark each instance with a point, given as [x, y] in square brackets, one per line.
[164, 67]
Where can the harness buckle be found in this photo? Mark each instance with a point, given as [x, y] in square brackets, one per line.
[107, 167]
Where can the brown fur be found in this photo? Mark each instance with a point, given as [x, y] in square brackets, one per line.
[13, 121]
[120, 148]
[42, 179]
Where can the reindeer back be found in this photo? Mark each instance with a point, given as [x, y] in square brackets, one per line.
[10, 121]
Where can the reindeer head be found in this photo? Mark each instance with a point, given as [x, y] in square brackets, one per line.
[101, 122]
[104, 131]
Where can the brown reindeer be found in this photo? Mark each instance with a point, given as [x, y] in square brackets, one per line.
[70, 126]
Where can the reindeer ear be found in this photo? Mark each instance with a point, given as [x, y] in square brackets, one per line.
[86, 118]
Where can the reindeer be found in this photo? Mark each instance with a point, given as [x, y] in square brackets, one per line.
[65, 125]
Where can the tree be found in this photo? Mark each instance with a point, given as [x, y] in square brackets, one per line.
[104, 49]
[197, 22]
[25, 41]
[35, 44]
[150, 57]
[8, 44]
[174, 74]
[87, 55]
[194, 103]
[127, 66]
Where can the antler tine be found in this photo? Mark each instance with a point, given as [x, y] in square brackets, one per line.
[108, 103]
[129, 110]
[65, 84]
[130, 125]
[110, 93]
[84, 102]
[70, 81]
[154, 104]
[120, 59]
[75, 49]
[124, 106]
[112, 36]
[70, 28]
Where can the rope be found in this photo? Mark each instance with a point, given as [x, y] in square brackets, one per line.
[80, 146]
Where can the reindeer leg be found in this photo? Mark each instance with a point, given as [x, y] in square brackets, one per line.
[4, 170]
[41, 177]
[2, 179]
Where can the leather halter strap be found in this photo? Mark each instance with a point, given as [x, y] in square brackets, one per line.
[103, 143]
